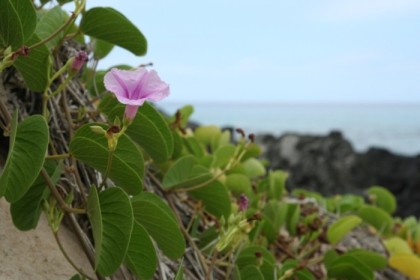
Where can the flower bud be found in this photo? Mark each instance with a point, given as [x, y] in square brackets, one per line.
[243, 202]
[78, 61]
[98, 129]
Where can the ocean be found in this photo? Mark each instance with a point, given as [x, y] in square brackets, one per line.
[395, 127]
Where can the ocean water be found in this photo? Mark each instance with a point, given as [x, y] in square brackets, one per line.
[392, 126]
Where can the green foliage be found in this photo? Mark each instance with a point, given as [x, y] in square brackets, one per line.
[204, 189]
[28, 145]
[160, 223]
[341, 227]
[376, 217]
[215, 198]
[17, 22]
[35, 66]
[111, 26]
[383, 198]
[148, 128]
[101, 48]
[127, 167]
[141, 256]
[111, 217]
[48, 23]
[259, 258]
[27, 210]
[185, 172]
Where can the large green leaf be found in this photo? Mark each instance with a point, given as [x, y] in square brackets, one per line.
[349, 267]
[111, 26]
[111, 217]
[127, 166]
[101, 48]
[160, 223]
[26, 211]
[383, 198]
[28, 146]
[372, 259]
[376, 217]
[215, 198]
[49, 23]
[17, 22]
[341, 227]
[251, 272]
[35, 66]
[141, 255]
[182, 174]
[223, 156]
[148, 128]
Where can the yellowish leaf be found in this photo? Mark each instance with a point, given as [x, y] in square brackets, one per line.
[408, 264]
[397, 245]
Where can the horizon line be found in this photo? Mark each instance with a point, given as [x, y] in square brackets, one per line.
[291, 103]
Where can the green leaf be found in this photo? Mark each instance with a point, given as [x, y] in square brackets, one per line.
[266, 263]
[111, 217]
[141, 256]
[206, 134]
[276, 211]
[101, 48]
[76, 277]
[397, 245]
[223, 155]
[180, 174]
[26, 211]
[292, 217]
[111, 26]
[28, 146]
[238, 184]
[148, 128]
[35, 66]
[215, 198]
[348, 267]
[382, 198]
[251, 272]
[160, 223]
[254, 168]
[373, 260]
[127, 166]
[49, 23]
[376, 217]
[151, 131]
[17, 22]
[180, 273]
[277, 184]
[341, 227]
[193, 146]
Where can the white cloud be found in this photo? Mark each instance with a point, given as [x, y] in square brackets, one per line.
[367, 9]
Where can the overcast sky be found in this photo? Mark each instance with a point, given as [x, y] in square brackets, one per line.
[355, 51]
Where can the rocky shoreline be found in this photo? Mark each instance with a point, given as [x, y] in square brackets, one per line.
[329, 164]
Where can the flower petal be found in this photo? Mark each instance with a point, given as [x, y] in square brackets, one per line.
[154, 88]
[123, 82]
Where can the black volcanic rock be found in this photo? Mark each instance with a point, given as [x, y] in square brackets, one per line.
[328, 164]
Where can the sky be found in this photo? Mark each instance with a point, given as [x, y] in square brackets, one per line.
[323, 51]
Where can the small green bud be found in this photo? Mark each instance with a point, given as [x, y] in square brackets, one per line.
[98, 129]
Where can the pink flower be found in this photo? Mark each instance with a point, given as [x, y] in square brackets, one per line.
[134, 87]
